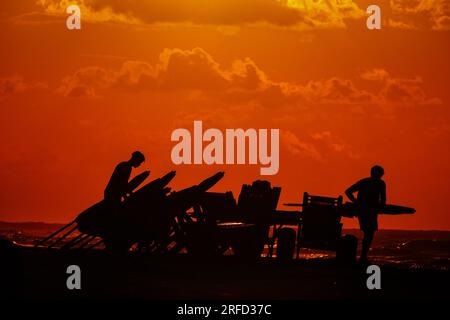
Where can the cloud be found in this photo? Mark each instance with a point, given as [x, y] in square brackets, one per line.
[297, 147]
[375, 75]
[11, 85]
[406, 91]
[34, 19]
[298, 14]
[335, 144]
[16, 84]
[86, 82]
[318, 146]
[336, 90]
[191, 69]
[397, 91]
[242, 82]
[421, 14]
[229, 16]
[176, 70]
[400, 25]
[228, 30]
[88, 13]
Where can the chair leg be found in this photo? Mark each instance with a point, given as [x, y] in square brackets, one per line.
[54, 234]
[89, 239]
[298, 242]
[272, 241]
[63, 237]
[74, 241]
[95, 244]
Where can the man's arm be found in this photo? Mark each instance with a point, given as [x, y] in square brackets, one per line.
[351, 190]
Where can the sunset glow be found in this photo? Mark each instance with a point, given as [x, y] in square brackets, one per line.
[74, 103]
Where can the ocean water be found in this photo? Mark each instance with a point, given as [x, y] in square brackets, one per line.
[410, 249]
[404, 248]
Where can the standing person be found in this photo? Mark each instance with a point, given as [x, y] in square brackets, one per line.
[117, 187]
[371, 197]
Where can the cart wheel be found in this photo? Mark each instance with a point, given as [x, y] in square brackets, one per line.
[251, 243]
[346, 249]
[286, 244]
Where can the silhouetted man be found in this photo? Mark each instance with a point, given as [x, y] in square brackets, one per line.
[117, 187]
[371, 197]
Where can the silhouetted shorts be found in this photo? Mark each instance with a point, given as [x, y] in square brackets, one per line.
[368, 220]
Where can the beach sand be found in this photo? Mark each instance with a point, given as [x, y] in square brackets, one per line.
[414, 265]
[41, 274]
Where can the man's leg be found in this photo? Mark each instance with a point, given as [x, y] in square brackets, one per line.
[366, 243]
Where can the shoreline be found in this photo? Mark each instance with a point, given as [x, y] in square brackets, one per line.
[135, 276]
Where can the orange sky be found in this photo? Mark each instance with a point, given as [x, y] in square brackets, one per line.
[74, 103]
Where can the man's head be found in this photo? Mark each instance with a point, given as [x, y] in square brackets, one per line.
[377, 172]
[137, 158]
